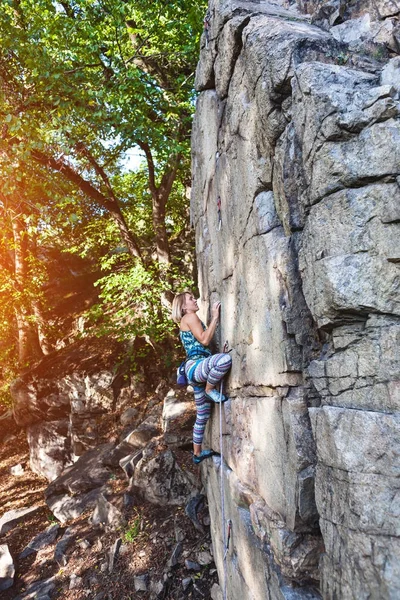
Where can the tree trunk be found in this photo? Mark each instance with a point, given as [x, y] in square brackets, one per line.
[160, 231]
[28, 339]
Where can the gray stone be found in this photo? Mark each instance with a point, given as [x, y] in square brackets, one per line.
[141, 583]
[7, 569]
[87, 473]
[204, 558]
[129, 416]
[11, 518]
[391, 74]
[128, 463]
[176, 554]
[75, 582]
[191, 565]
[17, 470]
[113, 458]
[78, 488]
[43, 539]
[297, 133]
[59, 553]
[37, 589]
[66, 508]
[216, 592]
[178, 418]
[148, 429]
[106, 514]
[113, 554]
[362, 32]
[49, 447]
[186, 583]
[357, 441]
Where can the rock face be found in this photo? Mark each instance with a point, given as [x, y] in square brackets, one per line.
[61, 401]
[297, 137]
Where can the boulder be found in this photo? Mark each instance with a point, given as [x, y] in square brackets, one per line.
[178, 418]
[43, 539]
[140, 436]
[114, 457]
[78, 488]
[11, 518]
[38, 589]
[49, 447]
[128, 463]
[106, 514]
[7, 570]
[160, 480]
[129, 416]
[60, 551]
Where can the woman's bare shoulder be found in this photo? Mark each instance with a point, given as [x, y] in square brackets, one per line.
[187, 321]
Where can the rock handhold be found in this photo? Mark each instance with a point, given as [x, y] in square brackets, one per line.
[7, 570]
[12, 517]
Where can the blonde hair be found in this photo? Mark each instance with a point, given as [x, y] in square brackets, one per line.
[177, 306]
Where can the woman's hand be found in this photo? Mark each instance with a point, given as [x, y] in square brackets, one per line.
[215, 310]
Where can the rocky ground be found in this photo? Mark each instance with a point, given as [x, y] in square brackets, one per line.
[152, 552]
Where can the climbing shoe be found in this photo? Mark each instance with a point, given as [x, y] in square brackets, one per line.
[215, 396]
[197, 459]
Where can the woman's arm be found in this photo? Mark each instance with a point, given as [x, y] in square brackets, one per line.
[192, 321]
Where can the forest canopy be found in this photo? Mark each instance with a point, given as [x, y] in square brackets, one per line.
[96, 107]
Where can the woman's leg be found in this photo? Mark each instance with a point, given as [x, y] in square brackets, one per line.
[203, 410]
[211, 370]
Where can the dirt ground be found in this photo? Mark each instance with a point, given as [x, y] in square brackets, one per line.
[148, 540]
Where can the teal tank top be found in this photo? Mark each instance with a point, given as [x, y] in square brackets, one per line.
[193, 348]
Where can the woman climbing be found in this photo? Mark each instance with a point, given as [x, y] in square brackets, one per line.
[203, 369]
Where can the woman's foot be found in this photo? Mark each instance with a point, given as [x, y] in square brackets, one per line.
[216, 396]
[198, 458]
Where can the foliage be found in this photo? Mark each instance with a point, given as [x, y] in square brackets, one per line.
[83, 83]
[134, 529]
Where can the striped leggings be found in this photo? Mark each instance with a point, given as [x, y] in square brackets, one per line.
[208, 370]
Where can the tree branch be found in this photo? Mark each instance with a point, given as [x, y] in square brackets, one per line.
[111, 205]
[150, 163]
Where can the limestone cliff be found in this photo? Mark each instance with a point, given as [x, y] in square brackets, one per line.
[297, 136]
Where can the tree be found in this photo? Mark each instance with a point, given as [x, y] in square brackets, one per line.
[83, 82]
